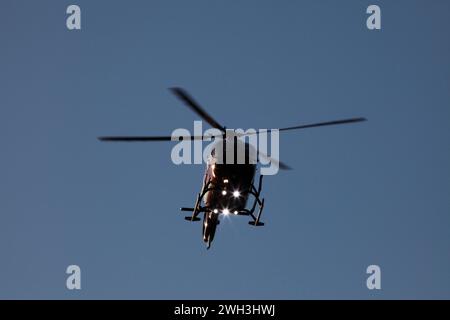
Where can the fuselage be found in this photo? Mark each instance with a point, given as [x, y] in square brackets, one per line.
[228, 189]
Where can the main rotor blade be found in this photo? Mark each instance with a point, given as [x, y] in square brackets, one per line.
[146, 138]
[169, 138]
[191, 103]
[322, 124]
[281, 165]
[305, 126]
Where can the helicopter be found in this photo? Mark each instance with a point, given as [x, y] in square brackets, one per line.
[227, 187]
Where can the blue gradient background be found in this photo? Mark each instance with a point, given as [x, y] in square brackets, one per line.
[371, 193]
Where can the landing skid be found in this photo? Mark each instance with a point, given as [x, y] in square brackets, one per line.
[255, 192]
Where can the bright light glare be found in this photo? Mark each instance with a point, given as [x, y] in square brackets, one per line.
[236, 194]
[226, 211]
[235, 212]
[224, 192]
[225, 180]
[216, 211]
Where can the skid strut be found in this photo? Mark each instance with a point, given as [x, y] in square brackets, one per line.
[197, 208]
[256, 192]
[260, 202]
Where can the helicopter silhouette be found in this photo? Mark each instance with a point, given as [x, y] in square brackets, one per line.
[226, 186]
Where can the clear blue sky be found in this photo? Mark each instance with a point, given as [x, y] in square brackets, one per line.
[370, 193]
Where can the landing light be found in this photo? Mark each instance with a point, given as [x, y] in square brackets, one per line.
[236, 194]
[224, 192]
[225, 180]
[236, 212]
[216, 211]
[226, 211]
